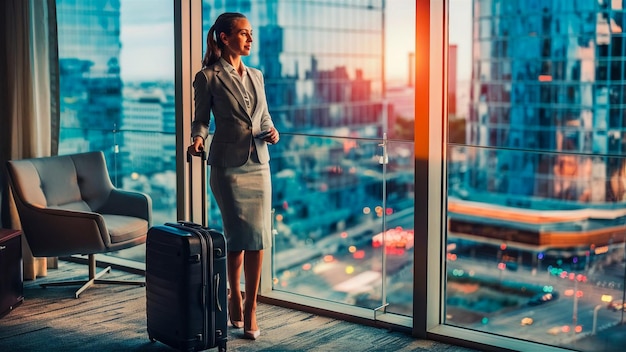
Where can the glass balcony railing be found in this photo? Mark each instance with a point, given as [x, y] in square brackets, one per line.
[343, 209]
[343, 220]
[540, 266]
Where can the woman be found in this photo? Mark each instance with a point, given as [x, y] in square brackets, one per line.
[238, 156]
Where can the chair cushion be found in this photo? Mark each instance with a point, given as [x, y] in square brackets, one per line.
[124, 228]
[57, 181]
[75, 206]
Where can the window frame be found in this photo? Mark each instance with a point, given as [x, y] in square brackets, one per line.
[431, 142]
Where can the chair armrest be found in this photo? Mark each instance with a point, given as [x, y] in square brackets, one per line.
[128, 203]
[80, 232]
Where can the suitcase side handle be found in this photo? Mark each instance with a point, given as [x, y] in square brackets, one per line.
[216, 289]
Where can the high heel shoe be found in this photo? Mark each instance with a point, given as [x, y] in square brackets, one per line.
[235, 323]
[249, 317]
[251, 334]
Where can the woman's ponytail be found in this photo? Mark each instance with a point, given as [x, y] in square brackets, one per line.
[213, 52]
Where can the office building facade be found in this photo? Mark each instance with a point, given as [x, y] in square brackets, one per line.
[536, 193]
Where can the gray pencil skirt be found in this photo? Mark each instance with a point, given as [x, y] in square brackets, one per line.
[244, 196]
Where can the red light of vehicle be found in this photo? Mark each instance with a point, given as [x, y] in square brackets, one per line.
[501, 266]
[328, 258]
[601, 250]
[344, 234]
[565, 328]
[394, 250]
[360, 254]
[578, 329]
[306, 267]
[579, 294]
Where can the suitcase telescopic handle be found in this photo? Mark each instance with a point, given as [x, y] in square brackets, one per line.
[191, 153]
[203, 157]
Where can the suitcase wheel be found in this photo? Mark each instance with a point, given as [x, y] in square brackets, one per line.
[221, 347]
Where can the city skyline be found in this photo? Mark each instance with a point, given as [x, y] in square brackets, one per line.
[147, 36]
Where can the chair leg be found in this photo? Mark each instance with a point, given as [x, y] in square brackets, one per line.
[94, 278]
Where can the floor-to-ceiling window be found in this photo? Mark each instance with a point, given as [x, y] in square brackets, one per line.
[533, 236]
[116, 67]
[342, 173]
[535, 230]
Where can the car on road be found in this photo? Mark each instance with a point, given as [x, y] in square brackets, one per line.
[542, 298]
[554, 330]
[527, 321]
[616, 305]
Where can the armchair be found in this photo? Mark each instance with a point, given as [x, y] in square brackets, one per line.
[67, 205]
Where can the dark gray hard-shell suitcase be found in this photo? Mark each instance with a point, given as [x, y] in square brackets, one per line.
[186, 283]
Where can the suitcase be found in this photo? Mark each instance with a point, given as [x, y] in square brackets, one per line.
[186, 283]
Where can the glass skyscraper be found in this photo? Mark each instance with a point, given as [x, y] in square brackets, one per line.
[536, 198]
[131, 122]
[90, 82]
[548, 77]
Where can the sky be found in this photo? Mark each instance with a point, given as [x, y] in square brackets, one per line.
[460, 33]
[400, 38]
[147, 35]
[148, 39]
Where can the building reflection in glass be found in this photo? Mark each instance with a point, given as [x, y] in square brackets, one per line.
[536, 188]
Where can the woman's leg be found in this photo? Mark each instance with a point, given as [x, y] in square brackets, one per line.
[234, 261]
[252, 263]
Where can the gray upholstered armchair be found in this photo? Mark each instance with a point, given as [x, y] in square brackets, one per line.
[67, 205]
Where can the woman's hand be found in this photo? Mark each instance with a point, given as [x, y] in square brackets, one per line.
[272, 137]
[197, 147]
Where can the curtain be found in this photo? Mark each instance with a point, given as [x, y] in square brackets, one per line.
[30, 116]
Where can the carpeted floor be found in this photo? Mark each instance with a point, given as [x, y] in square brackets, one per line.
[112, 318]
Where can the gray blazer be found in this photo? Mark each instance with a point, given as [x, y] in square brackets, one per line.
[215, 90]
